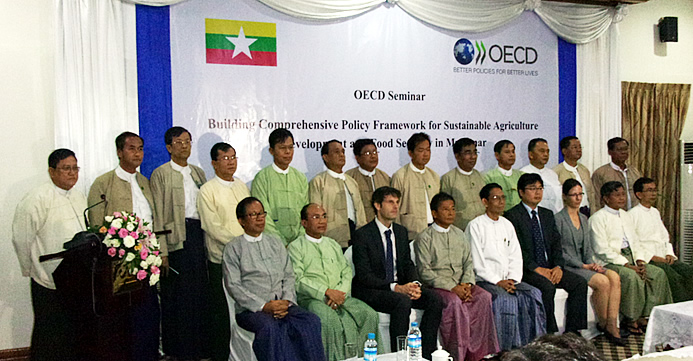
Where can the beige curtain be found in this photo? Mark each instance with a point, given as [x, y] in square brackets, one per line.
[652, 120]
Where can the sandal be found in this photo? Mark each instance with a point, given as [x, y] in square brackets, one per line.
[635, 330]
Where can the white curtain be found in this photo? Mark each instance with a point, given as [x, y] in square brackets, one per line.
[598, 97]
[96, 78]
[94, 82]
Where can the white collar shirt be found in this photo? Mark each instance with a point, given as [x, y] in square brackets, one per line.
[383, 239]
[279, 170]
[369, 175]
[140, 205]
[351, 210]
[190, 190]
[429, 215]
[625, 175]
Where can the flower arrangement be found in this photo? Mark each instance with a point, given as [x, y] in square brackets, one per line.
[130, 240]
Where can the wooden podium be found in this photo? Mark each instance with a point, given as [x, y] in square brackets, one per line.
[103, 321]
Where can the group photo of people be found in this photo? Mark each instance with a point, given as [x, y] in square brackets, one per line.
[306, 266]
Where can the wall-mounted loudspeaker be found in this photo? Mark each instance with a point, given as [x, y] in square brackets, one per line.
[668, 29]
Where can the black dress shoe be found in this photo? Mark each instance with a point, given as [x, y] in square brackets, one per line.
[615, 340]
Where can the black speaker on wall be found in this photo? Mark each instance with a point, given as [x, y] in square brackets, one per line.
[669, 29]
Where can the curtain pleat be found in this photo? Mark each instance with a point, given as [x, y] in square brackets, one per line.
[653, 118]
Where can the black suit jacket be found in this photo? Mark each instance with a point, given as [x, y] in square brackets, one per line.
[519, 217]
[369, 259]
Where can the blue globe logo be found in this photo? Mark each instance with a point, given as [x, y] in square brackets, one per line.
[464, 51]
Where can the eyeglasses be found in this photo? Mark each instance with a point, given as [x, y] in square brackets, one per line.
[68, 169]
[227, 158]
[318, 216]
[182, 142]
[650, 190]
[532, 189]
[575, 195]
[471, 152]
[369, 153]
[496, 198]
[256, 215]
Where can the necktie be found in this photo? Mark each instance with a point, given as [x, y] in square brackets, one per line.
[538, 239]
[389, 260]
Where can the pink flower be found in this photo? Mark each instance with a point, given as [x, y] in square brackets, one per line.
[112, 252]
[134, 235]
[112, 231]
[145, 253]
[122, 233]
[121, 253]
[155, 270]
[156, 253]
[117, 214]
[141, 274]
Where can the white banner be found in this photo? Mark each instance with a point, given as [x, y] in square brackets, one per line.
[382, 75]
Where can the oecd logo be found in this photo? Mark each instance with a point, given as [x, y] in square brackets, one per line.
[464, 52]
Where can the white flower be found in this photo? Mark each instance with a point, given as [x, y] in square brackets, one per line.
[157, 262]
[129, 242]
[108, 219]
[115, 242]
[117, 223]
[153, 279]
[151, 259]
[130, 226]
[153, 241]
[107, 242]
[143, 265]
[129, 257]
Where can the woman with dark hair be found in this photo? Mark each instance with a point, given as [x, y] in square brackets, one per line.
[576, 241]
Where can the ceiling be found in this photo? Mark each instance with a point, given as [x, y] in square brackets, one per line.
[602, 2]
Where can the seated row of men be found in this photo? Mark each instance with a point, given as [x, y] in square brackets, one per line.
[202, 217]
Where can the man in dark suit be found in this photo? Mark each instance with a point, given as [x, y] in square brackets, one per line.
[386, 277]
[542, 255]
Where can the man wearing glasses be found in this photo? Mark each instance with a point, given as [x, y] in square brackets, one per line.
[654, 239]
[542, 255]
[538, 152]
[323, 284]
[47, 217]
[517, 307]
[464, 183]
[367, 176]
[282, 189]
[216, 203]
[258, 275]
[185, 289]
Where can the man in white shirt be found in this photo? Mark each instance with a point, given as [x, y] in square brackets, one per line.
[538, 150]
[570, 168]
[654, 238]
[47, 217]
[339, 194]
[126, 189]
[517, 307]
[185, 289]
[367, 175]
[217, 203]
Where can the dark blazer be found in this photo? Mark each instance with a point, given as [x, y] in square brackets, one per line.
[369, 259]
[519, 217]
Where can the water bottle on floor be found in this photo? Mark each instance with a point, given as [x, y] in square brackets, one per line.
[370, 349]
[414, 342]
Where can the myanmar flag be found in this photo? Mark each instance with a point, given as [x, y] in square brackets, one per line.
[241, 42]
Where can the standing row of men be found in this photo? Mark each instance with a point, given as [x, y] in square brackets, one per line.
[203, 216]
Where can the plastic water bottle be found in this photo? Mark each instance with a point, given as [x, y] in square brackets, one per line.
[370, 349]
[414, 342]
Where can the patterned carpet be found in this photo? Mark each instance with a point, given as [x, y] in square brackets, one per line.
[612, 352]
